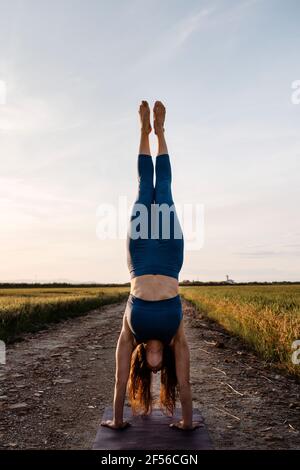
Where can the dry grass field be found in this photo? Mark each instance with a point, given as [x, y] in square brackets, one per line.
[31, 308]
[265, 317]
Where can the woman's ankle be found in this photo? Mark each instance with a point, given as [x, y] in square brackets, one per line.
[160, 131]
[145, 132]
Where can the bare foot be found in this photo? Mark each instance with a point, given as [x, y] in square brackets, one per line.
[159, 112]
[144, 112]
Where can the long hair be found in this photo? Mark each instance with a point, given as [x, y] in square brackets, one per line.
[139, 383]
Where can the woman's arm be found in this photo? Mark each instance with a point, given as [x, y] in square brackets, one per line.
[123, 358]
[182, 361]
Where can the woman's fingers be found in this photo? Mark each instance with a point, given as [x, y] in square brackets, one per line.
[197, 424]
[106, 423]
[180, 425]
[111, 424]
[125, 424]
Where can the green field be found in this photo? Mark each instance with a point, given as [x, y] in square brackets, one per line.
[29, 309]
[266, 317]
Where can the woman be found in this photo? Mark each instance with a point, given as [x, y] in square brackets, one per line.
[152, 336]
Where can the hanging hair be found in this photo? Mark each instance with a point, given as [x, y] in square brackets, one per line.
[139, 383]
[168, 382]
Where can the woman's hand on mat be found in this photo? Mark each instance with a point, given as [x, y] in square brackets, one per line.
[114, 425]
[181, 425]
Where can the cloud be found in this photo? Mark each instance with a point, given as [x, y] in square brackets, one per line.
[28, 114]
[19, 199]
[189, 25]
[169, 42]
[175, 37]
[266, 254]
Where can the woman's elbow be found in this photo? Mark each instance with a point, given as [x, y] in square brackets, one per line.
[121, 382]
[184, 386]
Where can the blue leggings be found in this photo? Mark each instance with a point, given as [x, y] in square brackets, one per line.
[157, 319]
[159, 254]
[157, 245]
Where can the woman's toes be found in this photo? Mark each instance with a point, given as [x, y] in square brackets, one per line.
[145, 104]
[144, 107]
[158, 104]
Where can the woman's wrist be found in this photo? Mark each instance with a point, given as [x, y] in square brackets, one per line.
[118, 422]
[187, 425]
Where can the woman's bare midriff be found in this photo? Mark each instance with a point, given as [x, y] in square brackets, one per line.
[154, 287]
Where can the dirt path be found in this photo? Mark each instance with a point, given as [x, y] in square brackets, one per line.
[57, 382]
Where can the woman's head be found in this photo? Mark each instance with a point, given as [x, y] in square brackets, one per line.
[147, 358]
[154, 354]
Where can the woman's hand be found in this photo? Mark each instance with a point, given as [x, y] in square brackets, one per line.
[181, 425]
[113, 425]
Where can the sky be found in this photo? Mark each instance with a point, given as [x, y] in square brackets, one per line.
[72, 76]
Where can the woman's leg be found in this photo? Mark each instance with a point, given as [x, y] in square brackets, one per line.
[145, 169]
[144, 144]
[168, 221]
[163, 180]
[139, 232]
[159, 112]
[144, 112]
[163, 173]
[145, 165]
